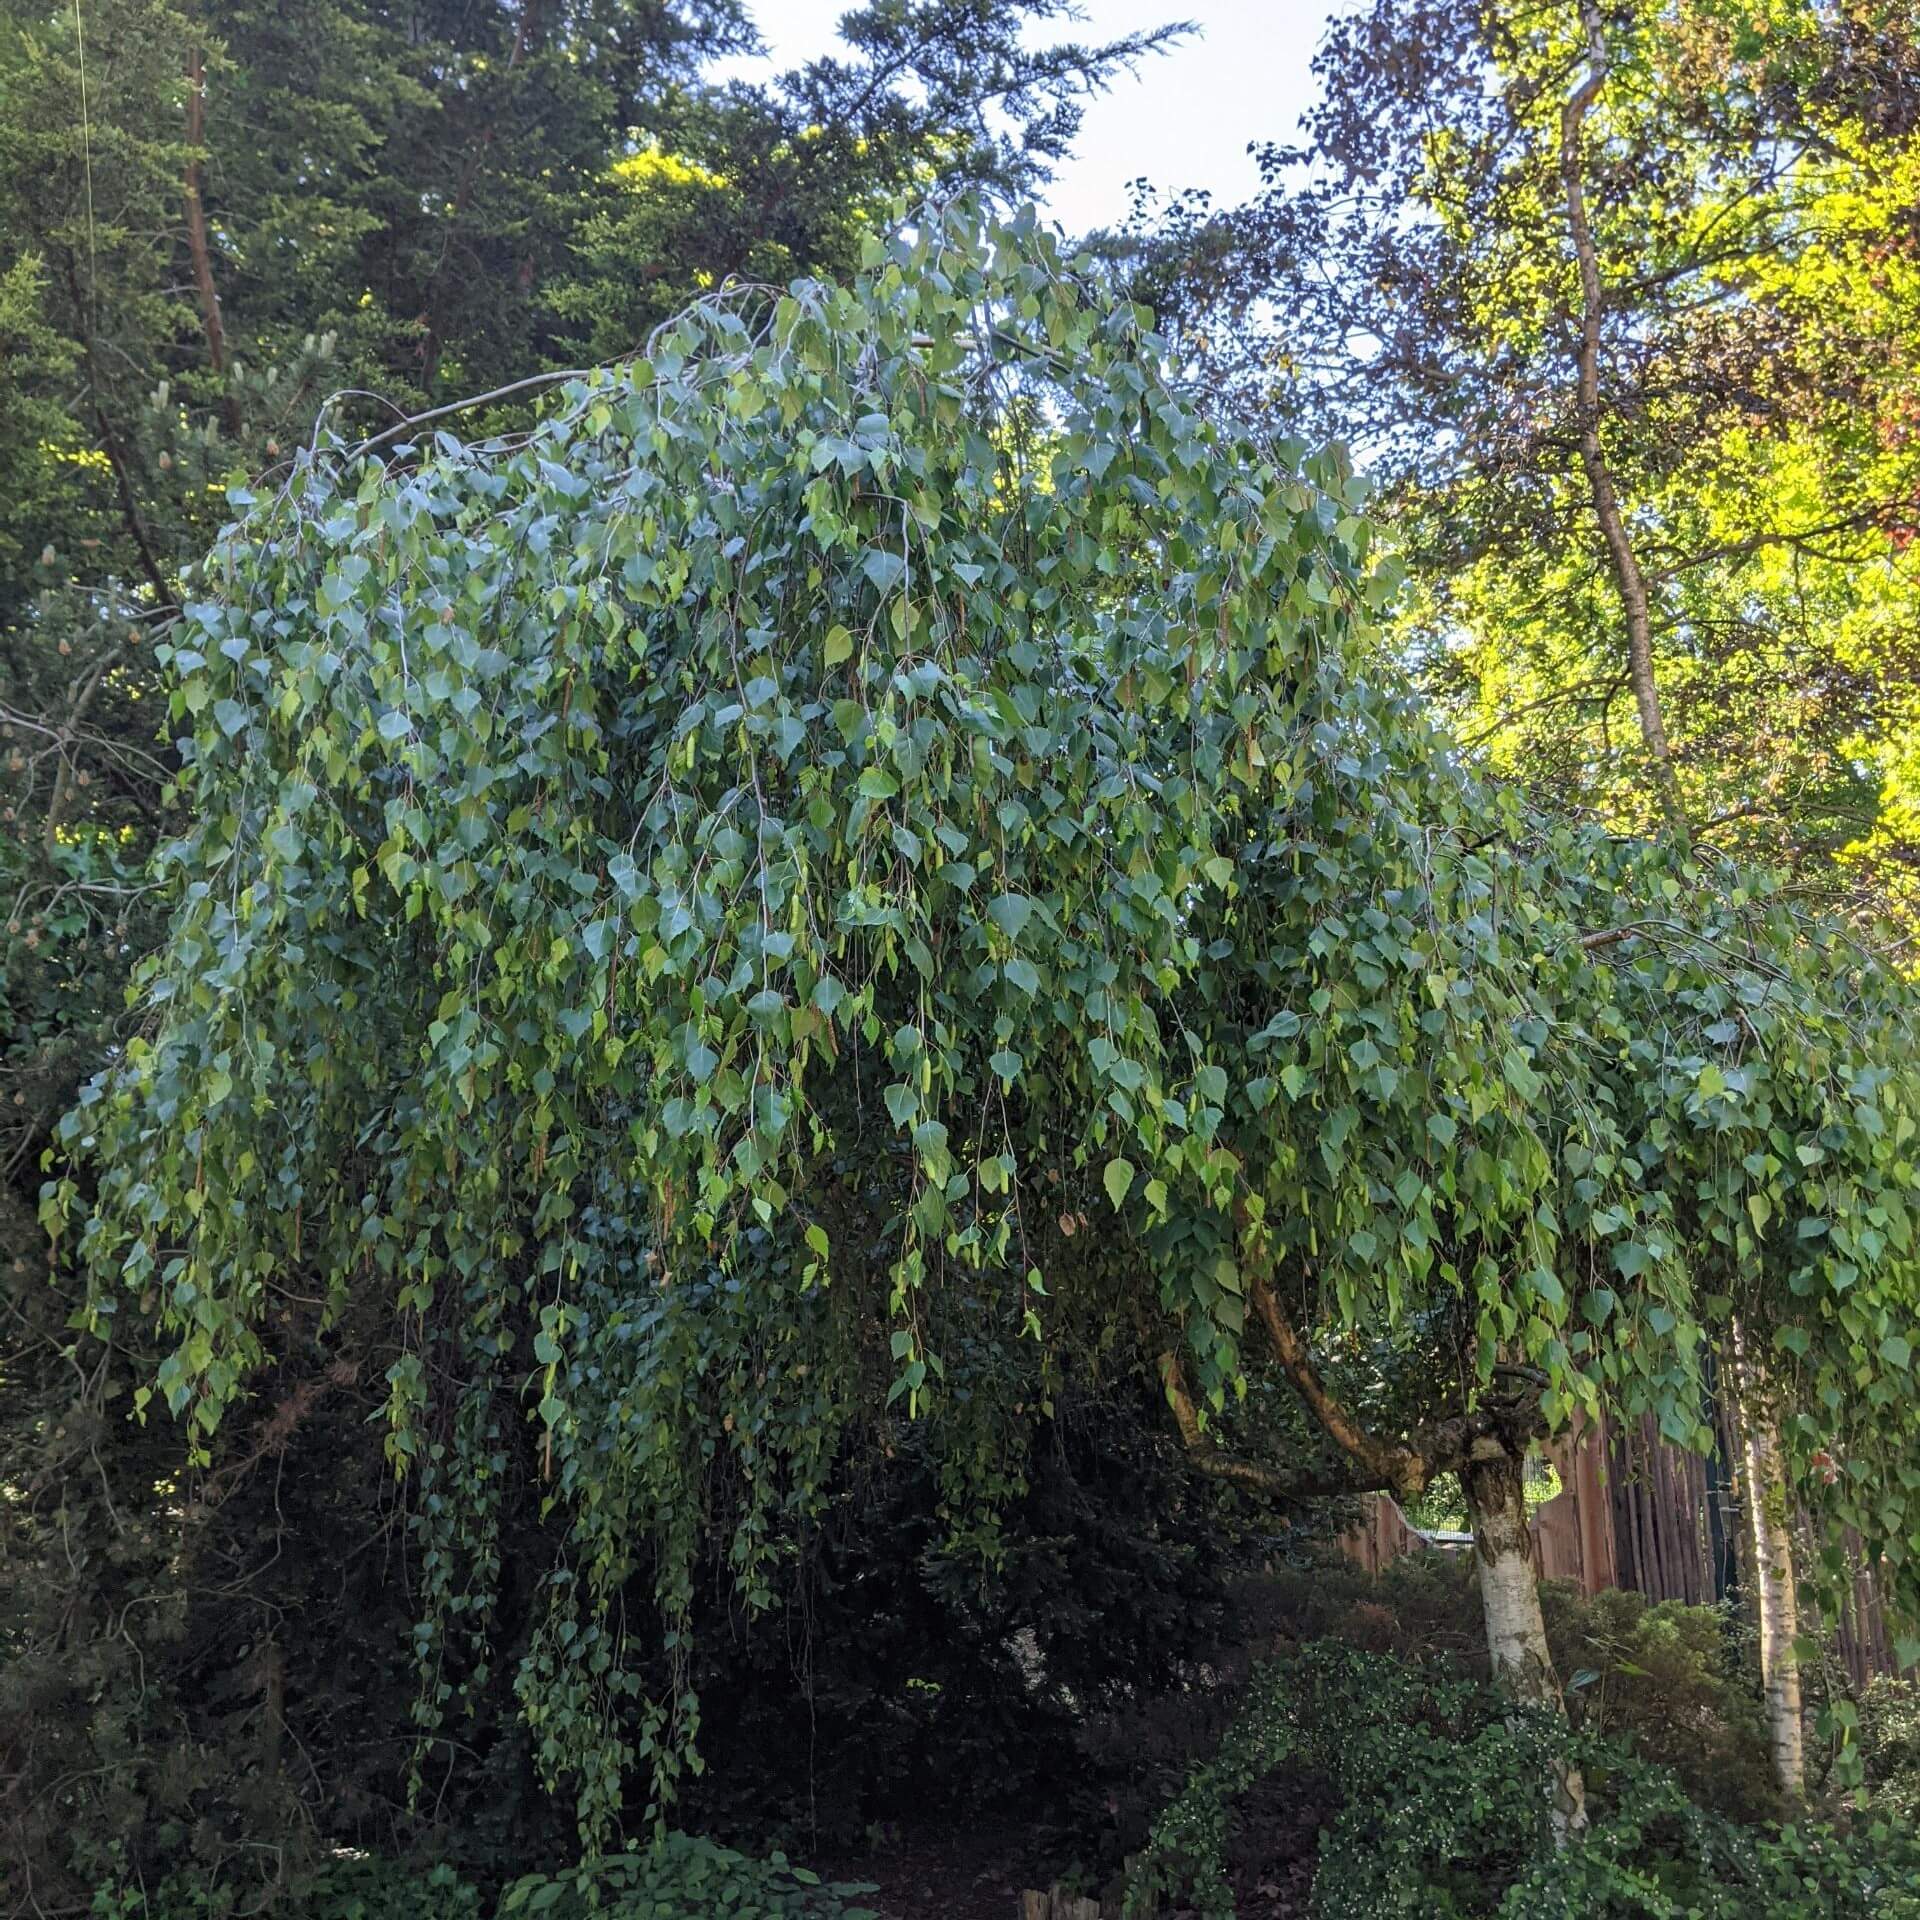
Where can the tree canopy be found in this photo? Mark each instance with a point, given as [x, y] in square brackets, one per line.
[220, 223]
[876, 833]
[1410, 280]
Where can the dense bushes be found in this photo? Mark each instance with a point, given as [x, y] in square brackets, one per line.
[350, 1887]
[1368, 1759]
[917, 1662]
[1442, 1812]
[220, 1693]
[1674, 1683]
[1680, 1683]
[1890, 1748]
[682, 1874]
[678, 1878]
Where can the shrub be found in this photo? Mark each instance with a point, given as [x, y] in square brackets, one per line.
[684, 1877]
[1678, 1684]
[680, 1877]
[362, 1887]
[1890, 1748]
[1444, 1813]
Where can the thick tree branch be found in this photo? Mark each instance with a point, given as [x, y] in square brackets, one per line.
[1389, 1464]
[1277, 1483]
[1612, 936]
[1504, 1422]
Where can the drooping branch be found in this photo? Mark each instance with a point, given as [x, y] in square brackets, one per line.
[512, 387]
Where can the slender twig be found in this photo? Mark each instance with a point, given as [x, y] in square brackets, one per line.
[467, 406]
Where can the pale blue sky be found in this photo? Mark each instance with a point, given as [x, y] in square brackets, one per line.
[1183, 119]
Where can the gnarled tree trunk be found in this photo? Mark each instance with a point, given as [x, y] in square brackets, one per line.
[1493, 1481]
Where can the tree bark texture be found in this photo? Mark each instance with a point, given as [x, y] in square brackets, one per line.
[1770, 1541]
[1778, 1607]
[1494, 1484]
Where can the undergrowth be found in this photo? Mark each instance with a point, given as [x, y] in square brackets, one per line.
[1444, 1814]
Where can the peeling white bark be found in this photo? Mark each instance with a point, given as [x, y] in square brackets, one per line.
[1770, 1567]
[1779, 1608]
[1510, 1600]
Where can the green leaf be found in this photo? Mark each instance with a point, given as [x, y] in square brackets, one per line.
[1010, 912]
[1118, 1180]
[1022, 974]
[1520, 1075]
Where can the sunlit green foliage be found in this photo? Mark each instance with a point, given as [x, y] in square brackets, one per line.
[1749, 171]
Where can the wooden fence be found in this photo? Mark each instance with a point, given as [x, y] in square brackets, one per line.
[1634, 1511]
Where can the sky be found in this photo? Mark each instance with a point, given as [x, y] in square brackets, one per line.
[1183, 119]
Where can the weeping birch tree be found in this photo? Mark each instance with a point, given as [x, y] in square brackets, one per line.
[875, 827]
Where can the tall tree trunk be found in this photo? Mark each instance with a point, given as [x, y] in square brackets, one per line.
[197, 246]
[1628, 579]
[1776, 1599]
[1773, 1577]
[1494, 1485]
[1779, 1610]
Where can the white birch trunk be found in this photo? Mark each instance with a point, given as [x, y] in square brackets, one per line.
[1510, 1599]
[1779, 1608]
[1771, 1566]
